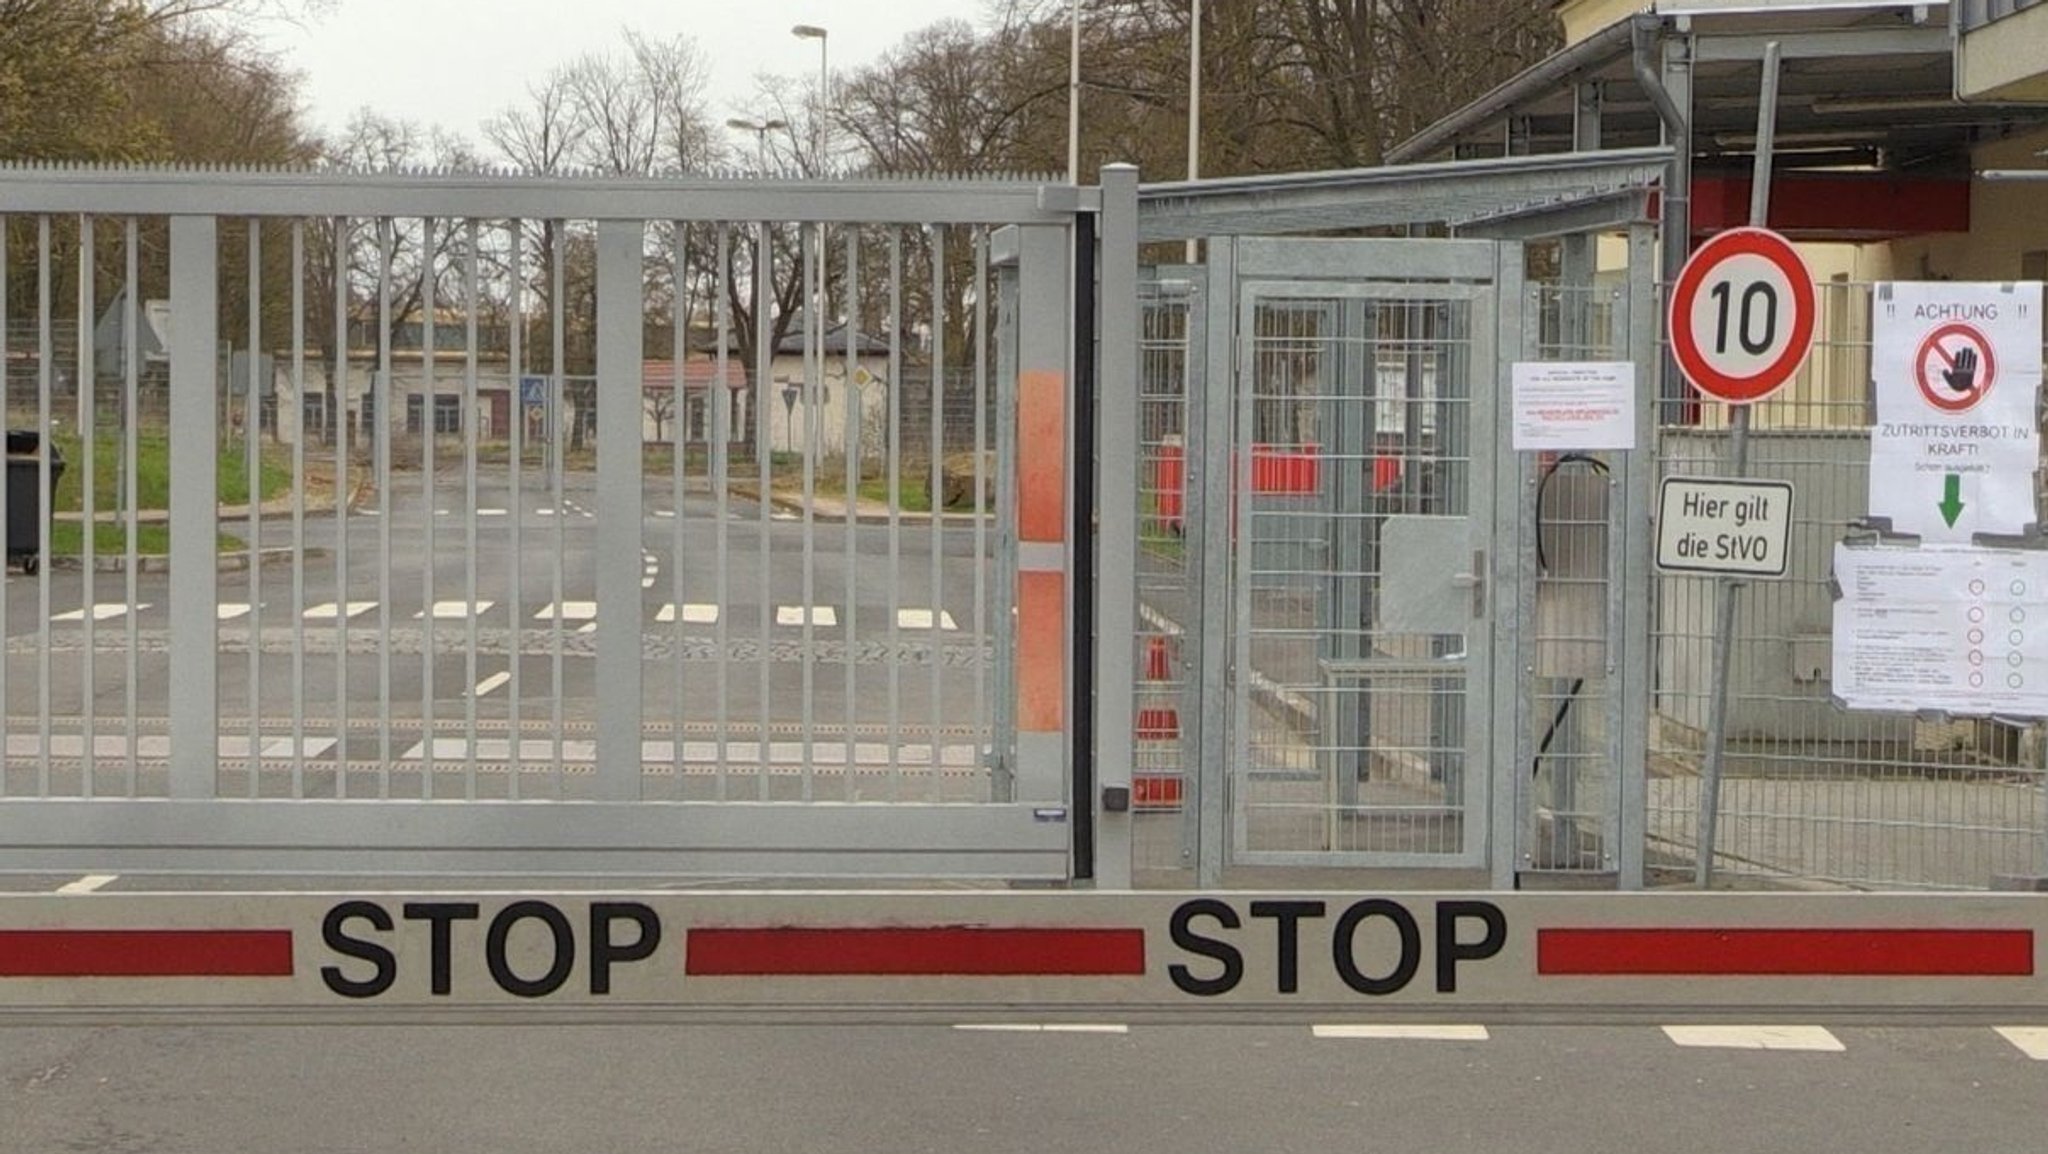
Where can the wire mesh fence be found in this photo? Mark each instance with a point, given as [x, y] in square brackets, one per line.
[1815, 793]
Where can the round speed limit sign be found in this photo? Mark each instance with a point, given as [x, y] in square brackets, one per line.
[1742, 315]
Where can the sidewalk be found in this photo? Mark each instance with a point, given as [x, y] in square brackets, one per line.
[833, 508]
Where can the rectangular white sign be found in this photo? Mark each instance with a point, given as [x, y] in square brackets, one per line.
[1574, 405]
[1725, 526]
[1956, 369]
[1946, 629]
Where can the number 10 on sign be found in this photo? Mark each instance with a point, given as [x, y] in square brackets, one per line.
[1742, 315]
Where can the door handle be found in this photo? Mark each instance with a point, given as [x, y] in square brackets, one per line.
[1475, 581]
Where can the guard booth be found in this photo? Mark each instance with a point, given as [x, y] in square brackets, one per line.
[1393, 643]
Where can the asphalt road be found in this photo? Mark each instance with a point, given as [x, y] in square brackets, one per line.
[745, 614]
[1188, 1090]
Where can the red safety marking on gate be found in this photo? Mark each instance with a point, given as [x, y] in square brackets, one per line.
[145, 953]
[941, 951]
[1785, 952]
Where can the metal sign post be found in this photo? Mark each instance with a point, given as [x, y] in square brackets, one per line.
[1724, 608]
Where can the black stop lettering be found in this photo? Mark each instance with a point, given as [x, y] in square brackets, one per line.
[1450, 951]
[334, 931]
[1186, 938]
[603, 951]
[501, 930]
[1342, 943]
[439, 916]
[1287, 928]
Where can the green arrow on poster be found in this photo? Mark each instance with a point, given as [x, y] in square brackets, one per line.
[1951, 499]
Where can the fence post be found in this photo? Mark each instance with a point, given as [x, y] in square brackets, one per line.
[1116, 525]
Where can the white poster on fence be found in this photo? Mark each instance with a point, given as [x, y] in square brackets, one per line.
[1567, 406]
[1953, 630]
[1956, 369]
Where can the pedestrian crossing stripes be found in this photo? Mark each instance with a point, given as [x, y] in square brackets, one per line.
[104, 611]
[155, 746]
[328, 611]
[819, 615]
[2029, 1040]
[693, 614]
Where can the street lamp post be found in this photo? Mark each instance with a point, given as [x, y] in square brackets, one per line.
[1194, 100]
[760, 129]
[1074, 95]
[813, 32]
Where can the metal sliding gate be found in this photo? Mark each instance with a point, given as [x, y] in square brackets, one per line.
[489, 524]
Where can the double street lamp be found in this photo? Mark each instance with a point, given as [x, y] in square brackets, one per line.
[760, 129]
[813, 32]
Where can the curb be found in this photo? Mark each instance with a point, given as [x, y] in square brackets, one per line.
[789, 504]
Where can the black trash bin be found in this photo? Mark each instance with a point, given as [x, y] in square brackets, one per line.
[24, 496]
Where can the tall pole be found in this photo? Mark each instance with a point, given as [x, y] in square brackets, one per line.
[1194, 101]
[813, 32]
[1074, 95]
[1738, 452]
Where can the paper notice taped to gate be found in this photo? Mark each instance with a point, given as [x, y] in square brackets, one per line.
[1566, 406]
[1960, 631]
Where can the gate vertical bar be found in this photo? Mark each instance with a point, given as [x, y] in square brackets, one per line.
[88, 506]
[515, 501]
[1003, 257]
[338, 423]
[131, 441]
[252, 494]
[1639, 475]
[429, 409]
[298, 610]
[934, 486]
[764, 352]
[194, 578]
[1043, 357]
[1208, 481]
[1116, 535]
[619, 672]
[46, 358]
[467, 424]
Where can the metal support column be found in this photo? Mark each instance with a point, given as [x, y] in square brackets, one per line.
[194, 527]
[1211, 400]
[1116, 533]
[1044, 355]
[1633, 657]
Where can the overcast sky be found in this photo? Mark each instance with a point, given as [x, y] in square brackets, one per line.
[457, 62]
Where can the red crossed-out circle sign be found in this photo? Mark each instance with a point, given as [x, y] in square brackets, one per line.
[1954, 367]
[1742, 314]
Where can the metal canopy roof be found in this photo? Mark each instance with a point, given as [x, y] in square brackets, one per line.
[1861, 86]
[1465, 195]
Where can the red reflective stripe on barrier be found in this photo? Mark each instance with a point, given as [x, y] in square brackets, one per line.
[955, 951]
[145, 953]
[1831, 953]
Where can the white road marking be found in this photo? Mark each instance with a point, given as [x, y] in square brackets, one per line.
[922, 619]
[86, 884]
[1816, 1038]
[444, 610]
[2031, 1040]
[543, 512]
[490, 683]
[1046, 1028]
[229, 610]
[103, 611]
[490, 512]
[693, 614]
[1422, 1033]
[823, 616]
[784, 515]
[329, 610]
[571, 611]
[664, 512]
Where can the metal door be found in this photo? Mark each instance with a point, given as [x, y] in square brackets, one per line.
[1360, 502]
